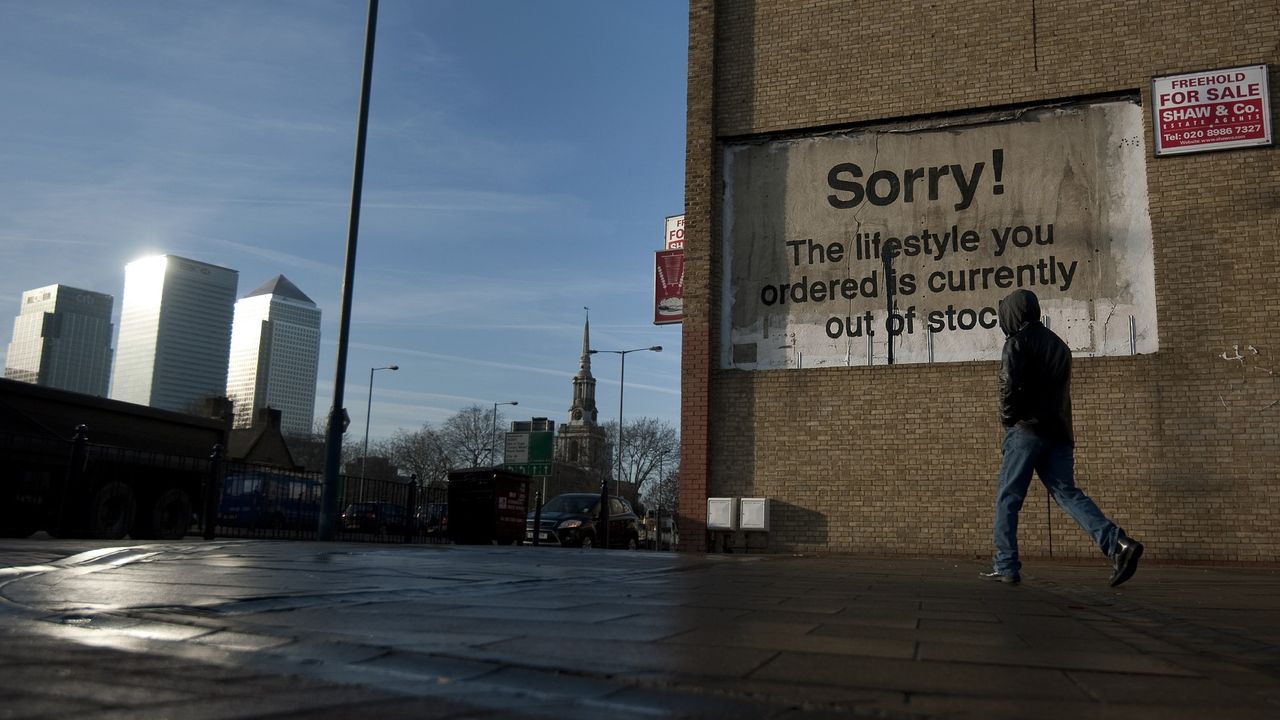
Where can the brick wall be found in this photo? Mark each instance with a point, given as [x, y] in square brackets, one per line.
[1181, 447]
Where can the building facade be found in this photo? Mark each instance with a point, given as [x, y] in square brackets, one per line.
[62, 339]
[275, 355]
[865, 181]
[175, 333]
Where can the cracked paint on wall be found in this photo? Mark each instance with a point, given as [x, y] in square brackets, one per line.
[1255, 398]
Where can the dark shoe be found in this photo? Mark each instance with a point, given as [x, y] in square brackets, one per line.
[1125, 559]
[1001, 577]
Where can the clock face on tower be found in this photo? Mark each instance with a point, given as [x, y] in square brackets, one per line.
[577, 413]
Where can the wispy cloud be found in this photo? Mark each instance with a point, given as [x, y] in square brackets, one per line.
[275, 258]
[533, 369]
[508, 180]
[472, 361]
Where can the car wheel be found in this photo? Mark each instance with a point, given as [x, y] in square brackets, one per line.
[167, 517]
[586, 541]
[111, 511]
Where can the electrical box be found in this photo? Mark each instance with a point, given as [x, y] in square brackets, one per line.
[722, 513]
[754, 514]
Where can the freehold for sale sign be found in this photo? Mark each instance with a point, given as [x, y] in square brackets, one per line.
[1211, 110]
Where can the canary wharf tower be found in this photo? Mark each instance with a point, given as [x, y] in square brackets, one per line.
[175, 333]
[62, 339]
[275, 354]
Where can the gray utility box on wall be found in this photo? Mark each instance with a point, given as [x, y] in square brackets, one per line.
[722, 513]
[753, 514]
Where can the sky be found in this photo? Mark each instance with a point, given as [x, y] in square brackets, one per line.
[521, 159]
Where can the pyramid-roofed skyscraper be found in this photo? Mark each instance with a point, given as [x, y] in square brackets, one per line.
[275, 355]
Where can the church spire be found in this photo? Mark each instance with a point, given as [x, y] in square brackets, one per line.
[583, 409]
[584, 365]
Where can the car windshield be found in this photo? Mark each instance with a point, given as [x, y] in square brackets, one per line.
[572, 504]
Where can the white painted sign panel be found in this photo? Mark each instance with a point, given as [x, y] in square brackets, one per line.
[674, 239]
[847, 248]
[515, 449]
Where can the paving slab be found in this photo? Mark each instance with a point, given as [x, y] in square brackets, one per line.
[242, 628]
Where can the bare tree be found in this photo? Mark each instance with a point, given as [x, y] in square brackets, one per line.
[468, 437]
[649, 447]
[420, 452]
[308, 450]
[664, 493]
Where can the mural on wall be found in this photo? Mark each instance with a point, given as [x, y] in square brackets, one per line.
[896, 243]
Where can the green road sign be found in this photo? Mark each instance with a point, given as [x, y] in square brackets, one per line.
[532, 469]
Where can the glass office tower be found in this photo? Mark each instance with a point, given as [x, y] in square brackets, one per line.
[62, 339]
[275, 355]
[175, 333]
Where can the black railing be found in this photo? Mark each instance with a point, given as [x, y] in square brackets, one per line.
[77, 488]
[266, 502]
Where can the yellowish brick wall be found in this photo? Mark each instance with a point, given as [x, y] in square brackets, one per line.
[1182, 448]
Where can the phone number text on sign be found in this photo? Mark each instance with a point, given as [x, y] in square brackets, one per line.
[1212, 110]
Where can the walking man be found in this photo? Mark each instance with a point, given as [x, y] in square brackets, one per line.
[1035, 409]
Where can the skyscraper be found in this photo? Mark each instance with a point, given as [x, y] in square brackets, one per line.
[275, 353]
[62, 339]
[175, 332]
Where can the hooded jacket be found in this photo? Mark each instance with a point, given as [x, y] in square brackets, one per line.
[1035, 371]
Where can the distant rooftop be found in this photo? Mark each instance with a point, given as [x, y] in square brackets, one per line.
[280, 285]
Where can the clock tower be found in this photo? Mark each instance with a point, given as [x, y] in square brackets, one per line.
[581, 441]
[583, 409]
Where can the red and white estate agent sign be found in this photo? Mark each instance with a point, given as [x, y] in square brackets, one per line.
[1211, 110]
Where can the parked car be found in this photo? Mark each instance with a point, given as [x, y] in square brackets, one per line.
[570, 520]
[433, 519]
[263, 498]
[374, 517]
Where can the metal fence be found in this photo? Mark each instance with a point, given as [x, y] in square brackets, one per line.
[75, 487]
[266, 502]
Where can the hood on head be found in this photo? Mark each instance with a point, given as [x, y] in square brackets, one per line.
[1017, 310]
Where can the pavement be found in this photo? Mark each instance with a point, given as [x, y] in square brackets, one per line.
[245, 628]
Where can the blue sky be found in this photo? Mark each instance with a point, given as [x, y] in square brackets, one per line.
[521, 158]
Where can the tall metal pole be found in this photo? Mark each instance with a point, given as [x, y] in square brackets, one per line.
[622, 384]
[603, 519]
[337, 413]
[493, 433]
[368, 413]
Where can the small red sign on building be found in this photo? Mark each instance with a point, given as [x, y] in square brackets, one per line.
[668, 287]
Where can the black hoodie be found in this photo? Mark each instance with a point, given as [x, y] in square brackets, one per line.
[1035, 371]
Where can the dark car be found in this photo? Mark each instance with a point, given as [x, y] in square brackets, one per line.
[261, 498]
[570, 520]
[433, 519]
[374, 517]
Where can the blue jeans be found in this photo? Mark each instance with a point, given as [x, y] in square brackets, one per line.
[1054, 462]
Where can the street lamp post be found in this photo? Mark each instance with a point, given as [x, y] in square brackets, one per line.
[604, 484]
[493, 434]
[368, 411]
[338, 418]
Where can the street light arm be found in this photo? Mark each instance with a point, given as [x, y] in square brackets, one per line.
[368, 413]
[493, 432]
